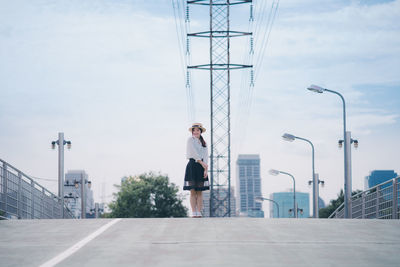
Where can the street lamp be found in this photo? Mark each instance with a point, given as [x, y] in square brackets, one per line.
[275, 173]
[291, 138]
[83, 194]
[347, 152]
[97, 210]
[316, 88]
[288, 137]
[260, 199]
[298, 210]
[83, 183]
[61, 143]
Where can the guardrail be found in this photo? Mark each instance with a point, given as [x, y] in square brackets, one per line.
[379, 202]
[23, 198]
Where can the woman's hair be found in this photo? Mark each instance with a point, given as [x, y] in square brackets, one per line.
[203, 143]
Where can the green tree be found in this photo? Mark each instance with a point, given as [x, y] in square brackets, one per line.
[147, 196]
[334, 204]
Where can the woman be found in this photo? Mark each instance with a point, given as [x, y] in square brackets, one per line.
[196, 175]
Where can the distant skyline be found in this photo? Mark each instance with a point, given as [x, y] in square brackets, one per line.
[108, 75]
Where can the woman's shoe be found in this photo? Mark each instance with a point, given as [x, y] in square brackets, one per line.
[194, 214]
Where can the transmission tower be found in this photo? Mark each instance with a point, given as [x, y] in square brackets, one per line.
[219, 65]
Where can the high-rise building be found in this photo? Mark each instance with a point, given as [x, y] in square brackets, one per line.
[221, 195]
[72, 192]
[379, 176]
[248, 182]
[285, 202]
[321, 203]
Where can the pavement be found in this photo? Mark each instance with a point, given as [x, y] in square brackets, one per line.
[201, 242]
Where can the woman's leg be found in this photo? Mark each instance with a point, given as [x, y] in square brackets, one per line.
[199, 200]
[193, 200]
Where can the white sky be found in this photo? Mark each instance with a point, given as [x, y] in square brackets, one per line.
[108, 74]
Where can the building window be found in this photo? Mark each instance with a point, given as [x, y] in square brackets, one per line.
[250, 183]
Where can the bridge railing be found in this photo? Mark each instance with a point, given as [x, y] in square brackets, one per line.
[379, 202]
[23, 198]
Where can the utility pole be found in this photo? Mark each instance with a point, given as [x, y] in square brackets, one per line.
[219, 65]
[61, 166]
[83, 196]
[61, 142]
[348, 178]
[316, 195]
[347, 141]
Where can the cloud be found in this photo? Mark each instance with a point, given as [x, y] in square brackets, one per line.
[337, 36]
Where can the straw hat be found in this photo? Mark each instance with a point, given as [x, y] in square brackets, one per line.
[197, 125]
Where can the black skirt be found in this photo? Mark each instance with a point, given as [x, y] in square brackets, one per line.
[194, 177]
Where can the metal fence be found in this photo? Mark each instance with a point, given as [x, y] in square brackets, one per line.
[23, 198]
[379, 202]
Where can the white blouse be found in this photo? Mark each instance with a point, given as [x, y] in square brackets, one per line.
[195, 150]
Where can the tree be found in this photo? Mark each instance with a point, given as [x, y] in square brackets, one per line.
[334, 204]
[147, 196]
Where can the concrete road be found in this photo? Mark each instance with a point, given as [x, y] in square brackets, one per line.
[202, 242]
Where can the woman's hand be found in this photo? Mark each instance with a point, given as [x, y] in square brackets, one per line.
[203, 164]
[205, 167]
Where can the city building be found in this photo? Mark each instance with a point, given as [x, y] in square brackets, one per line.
[73, 202]
[221, 194]
[321, 203]
[285, 202]
[379, 176]
[248, 181]
[72, 192]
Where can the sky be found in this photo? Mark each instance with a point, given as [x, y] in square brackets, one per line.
[109, 75]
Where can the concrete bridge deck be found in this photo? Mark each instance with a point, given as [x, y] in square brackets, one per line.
[201, 242]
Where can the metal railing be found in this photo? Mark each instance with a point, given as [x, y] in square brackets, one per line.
[23, 198]
[379, 202]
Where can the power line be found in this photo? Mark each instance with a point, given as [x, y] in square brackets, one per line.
[271, 20]
[182, 25]
[261, 26]
[44, 179]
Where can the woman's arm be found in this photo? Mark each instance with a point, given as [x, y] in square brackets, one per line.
[205, 161]
[205, 157]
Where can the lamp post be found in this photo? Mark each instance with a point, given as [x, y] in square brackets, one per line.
[315, 180]
[347, 157]
[273, 201]
[83, 183]
[275, 173]
[97, 210]
[61, 142]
